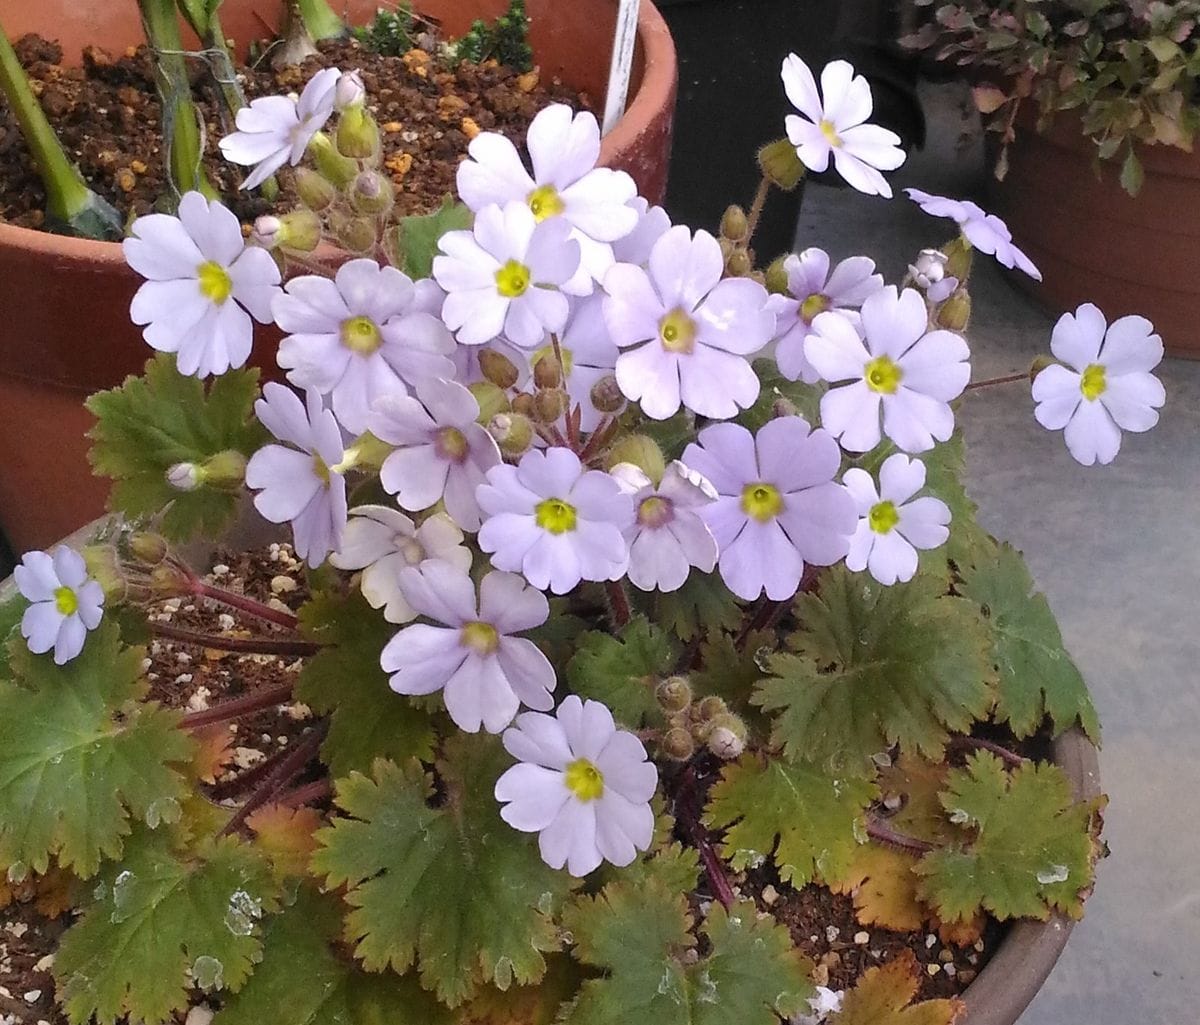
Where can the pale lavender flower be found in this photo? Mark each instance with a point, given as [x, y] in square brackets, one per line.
[834, 125]
[300, 481]
[1106, 385]
[506, 275]
[986, 232]
[778, 505]
[203, 285]
[812, 290]
[929, 275]
[892, 524]
[484, 673]
[65, 602]
[582, 785]
[668, 535]
[898, 366]
[589, 355]
[276, 130]
[652, 224]
[554, 521]
[688, 332]
[444, 454]
[367, 333]
[382, 541]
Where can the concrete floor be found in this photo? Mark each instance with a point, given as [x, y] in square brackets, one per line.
[1117, 551]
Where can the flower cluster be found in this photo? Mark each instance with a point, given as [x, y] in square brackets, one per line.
[512, 405]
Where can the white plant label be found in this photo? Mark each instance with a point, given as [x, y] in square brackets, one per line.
[621, 68]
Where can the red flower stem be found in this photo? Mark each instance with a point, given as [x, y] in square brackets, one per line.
[618, 601]
[993, 381]
[878, 829]
[1010, 758]
[687, 812]
[315, 791]
[597, 439]
[250, 645]
[756, 208]
[286, 771]
[244, 603]
[716, 874]
[227, 710]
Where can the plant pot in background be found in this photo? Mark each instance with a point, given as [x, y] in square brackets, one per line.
[1092, 239]
[65, 301]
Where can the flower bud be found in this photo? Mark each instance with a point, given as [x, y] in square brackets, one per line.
[266, 231]
[781, 164]
[739, 264]
[168, 580]
[709, 708]
[929, 269]
[357, 134]
[1039, 364]
[490, 398]
[104, 567]
[372, 193]
[550, 404]
[513, 433]
[298, 231]
[547, 371]
[147, 547]
[357, 234]
[734, 225]
[727, 736]
[959, 255]
[955, 313]
[315, 191]
[349, 92]
[606, 395]
[185, 476]
[498, 368]
[640, 450]
[338, 170]
[225, 471]
[783, 406]
[777, 277]
[678, 745]
[674, 693]
[523, 404]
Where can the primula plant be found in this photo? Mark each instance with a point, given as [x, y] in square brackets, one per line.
[1128, 69]
[639, 578]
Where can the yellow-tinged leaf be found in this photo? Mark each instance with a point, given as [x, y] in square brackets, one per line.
[883, 996]
[526, 1005]
[53, 891]
[286, 835]
[919, 783]
[960, 934]
[214, 751]
[884, 888]
[989, 99]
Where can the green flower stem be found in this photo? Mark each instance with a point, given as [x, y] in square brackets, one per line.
[161, 25]
[320, 20]
[69, 201]
[250, 645]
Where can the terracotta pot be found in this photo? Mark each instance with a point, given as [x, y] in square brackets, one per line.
[1094, 242]
[1029, 950]
[65, 301]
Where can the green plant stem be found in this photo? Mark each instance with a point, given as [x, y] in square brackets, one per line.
[69, 201]
[161, 26]
[249, 645]
[320, 20]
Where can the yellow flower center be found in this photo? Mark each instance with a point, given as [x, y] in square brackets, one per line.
[830, 132]
[481, 638]
[677, 332]
[1093, 383]
[65, 601]
[512, 280]
[655, 512]
[451, 444]
[763, 502]
[883, 376]
[584, 780]
[883, 517]
[361, 335]
[555, 515]
[814, 305]
[215, 283]
[545, 202]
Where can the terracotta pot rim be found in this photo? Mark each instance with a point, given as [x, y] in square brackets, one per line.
[654, 92]
[1027, 954]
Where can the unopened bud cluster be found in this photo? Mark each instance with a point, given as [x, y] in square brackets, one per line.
[693, 724]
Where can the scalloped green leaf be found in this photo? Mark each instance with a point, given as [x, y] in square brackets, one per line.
[161, 923]
[152, 422]
[417, 236]
[732, 675]
[303, 971]
[1032, 850]
[1037, 676]
[623, 671]
[453, 888]
[702, 607]
[877, 666]
[368, 720]
[808, 822]
[639, 934]
[80, 755]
